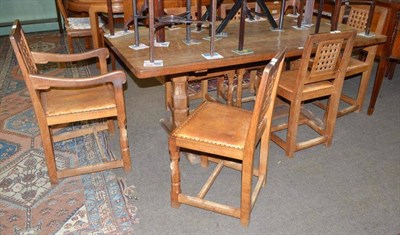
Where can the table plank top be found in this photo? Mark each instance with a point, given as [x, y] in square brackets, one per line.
[180, 58]
[84, 5]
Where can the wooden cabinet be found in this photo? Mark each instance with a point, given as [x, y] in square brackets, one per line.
[391, 30]
[389, 53]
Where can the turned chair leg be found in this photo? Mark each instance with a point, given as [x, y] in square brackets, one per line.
[123, 139]
[175, 176]
[49, 154]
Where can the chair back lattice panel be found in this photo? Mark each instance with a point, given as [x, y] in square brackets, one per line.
[266, 92]
[325, 60]
[18, 41]
[358, 18]
[266, 100]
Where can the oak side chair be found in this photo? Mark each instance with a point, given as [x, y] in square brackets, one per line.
[357, 19]
[324, 78]
[60, 101]
[230, 135]
[77, 27]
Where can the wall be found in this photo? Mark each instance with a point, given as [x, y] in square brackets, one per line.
[28, 10]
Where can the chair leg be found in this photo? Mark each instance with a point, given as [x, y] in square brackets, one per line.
[293, 122]
[204, 161]
[87, 42]
[102, 43]
[362, 89]
[327, 110]
[175, 175]
[220, 87]
[70, 44]
[123, 139]
[264, 149]
[239, 88]
[111, 129]
[112, 58]
[49, 154]
[245, 204]
[204, 88]
[391, 69]
[231, 88]
[252, 84]
[331, 116]
[226, 92]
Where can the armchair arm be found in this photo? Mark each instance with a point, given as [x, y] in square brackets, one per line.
[41, 82]
[44, 58]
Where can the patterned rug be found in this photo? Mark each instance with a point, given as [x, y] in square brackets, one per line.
[89, 204]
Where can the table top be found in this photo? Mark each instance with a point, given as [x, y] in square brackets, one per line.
[180, 58]
[393, 2]
[84, 5]
[94, 1]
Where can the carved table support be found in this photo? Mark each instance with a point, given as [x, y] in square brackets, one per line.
[180, 109]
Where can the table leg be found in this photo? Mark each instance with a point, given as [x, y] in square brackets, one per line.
[391, 69]
[335, 15]
[180, 109]
[380, 74]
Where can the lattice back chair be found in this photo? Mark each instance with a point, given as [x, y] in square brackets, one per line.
[324, 78]
[60, 101]
[357, 19]
[232, 134]
[395, 51]
[77, 27]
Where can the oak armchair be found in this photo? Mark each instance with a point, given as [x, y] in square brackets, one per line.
[59, 101]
